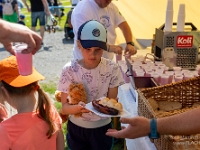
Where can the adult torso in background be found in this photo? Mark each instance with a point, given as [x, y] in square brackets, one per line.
[36, 5]
[109, 17]
[55, 3]
[0, 5]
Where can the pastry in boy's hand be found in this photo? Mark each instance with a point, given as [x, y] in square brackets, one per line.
[107, 106]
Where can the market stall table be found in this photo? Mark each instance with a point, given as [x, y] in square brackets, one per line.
[129, 101]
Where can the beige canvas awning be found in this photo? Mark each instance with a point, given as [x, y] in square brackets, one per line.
[144, 16]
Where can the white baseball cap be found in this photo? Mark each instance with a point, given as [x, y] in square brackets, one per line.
[92, 34]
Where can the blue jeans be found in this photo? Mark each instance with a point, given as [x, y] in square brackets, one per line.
[38, 15]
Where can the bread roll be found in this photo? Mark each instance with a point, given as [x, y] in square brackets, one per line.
[104, 101]
[114, 101]
[153, 104]
[111, 103]
[197, 104]
[169, 106]
[118, 106]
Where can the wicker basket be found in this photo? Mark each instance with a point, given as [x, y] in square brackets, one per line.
[187, 93]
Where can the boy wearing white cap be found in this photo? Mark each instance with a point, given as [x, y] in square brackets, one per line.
[101, 78]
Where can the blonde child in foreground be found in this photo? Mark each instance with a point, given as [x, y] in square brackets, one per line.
[37, 125]
[101, 78]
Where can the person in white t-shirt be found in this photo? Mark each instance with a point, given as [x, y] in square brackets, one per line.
[101, 78]
[108, 14]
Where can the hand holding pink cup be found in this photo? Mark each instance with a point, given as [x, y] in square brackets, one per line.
[24, 61]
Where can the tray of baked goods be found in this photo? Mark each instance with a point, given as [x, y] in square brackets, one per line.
[168, 100]
[106, 107]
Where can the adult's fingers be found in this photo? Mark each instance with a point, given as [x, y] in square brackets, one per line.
[118, 50]
[34, 43]
[9, 48]
[116, 133]
[126, 120]
[38, 41]
[112, 132]
[123, 127]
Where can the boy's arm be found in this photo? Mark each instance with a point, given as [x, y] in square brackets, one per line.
[70, 109]
[112, 92]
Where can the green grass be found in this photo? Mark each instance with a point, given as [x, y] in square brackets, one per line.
[61, 23]
[50, 88]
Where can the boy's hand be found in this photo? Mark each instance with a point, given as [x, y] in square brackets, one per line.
[82, 108]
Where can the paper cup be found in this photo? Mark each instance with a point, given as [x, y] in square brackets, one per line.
[177, 68]
[164, 79]
[171, 75]
[178, 78]
[188, 76]
[198, 69]
[139, 73]
[118, 57]
[24, 61]
[156, 76]
[148, 73]
[195, 73]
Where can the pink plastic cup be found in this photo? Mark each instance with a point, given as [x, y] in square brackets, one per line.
[198, 69]
[171, 75]
[118, 57]
[24, 61]
[177, 68]
[164, 79]
[156, 76]
[139, 74]
[188, 76]
[178, 78]
[148, 73]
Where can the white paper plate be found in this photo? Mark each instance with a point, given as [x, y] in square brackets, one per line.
[123, 113]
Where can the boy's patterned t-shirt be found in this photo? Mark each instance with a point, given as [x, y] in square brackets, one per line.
[96, 81]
